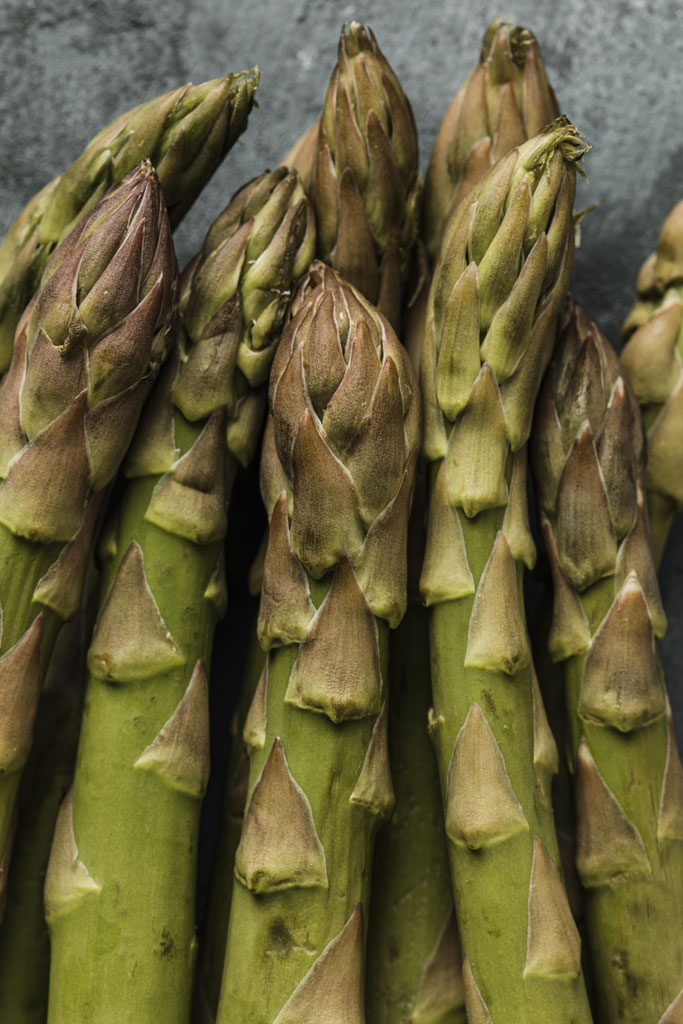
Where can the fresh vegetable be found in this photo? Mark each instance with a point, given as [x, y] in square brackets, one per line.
[86, 355]
[185, 133]
[337, 476]
[588, 457]
[496, 293]
[143, 758]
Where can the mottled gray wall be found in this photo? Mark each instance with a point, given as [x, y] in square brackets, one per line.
[69, 66]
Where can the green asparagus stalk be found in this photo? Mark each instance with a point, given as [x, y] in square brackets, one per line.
[185, 133]
[414, 962]
[87, 352]
[588, 458]
[24, 941]
[215, 931]
[505, 100]
[503, 271]
[337, 474]
[367, 187]
[653, 361]
[125, 847]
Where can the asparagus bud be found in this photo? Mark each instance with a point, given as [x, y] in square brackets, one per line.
[505, 100]
[366, 182]
[185, 133]
[588, 459]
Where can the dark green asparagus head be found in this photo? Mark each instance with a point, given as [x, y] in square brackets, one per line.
[339, 461]
[234, 299]
[185, 133]
[504, 101]
[588, 450]
[496, 293]
[254, 253]
[87, 351]
[367, 186]
[588, 453]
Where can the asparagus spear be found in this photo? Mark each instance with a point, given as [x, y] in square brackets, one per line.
[504, 268]
[87, 352]
[337, 472]
[588, 458]
[653, 361]
[185, 133]
[24, 941]
[505, 100]
[366, 186]
[124, 852]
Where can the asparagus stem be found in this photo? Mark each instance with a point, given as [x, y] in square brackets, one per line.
[215, 931]
[126, 843]
[504, 267]
[414, 965]
[589, 455]
[334, 575]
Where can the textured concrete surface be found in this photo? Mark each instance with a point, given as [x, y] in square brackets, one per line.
[69, 66]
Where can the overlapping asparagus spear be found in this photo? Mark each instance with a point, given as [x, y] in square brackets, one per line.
[24, 941]
[124, 854]
[504, 269]
[215, 931]
[337, 474]
[413, 969]
[588, 459]
[185, 133]
[366, 184]
[653, 361]
[86, 355]
[505, 100]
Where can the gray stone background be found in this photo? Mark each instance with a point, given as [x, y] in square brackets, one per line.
[70, 66]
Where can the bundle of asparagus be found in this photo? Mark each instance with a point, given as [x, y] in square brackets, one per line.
[312, 274]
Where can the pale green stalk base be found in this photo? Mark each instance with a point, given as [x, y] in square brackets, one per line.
[215, 933]
[411, 886]
[634, 925]
[275, 938]
[136, 835]
[491, 884]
